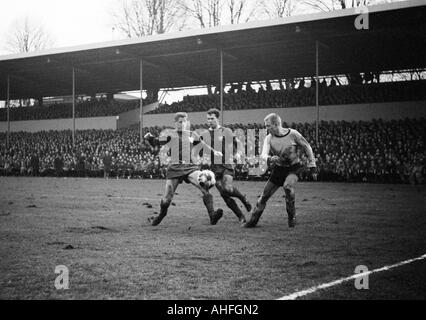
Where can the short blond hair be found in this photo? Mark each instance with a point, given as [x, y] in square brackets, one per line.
[274, 118]
[179, 115]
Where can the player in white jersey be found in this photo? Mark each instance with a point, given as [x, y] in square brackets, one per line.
[280, 151]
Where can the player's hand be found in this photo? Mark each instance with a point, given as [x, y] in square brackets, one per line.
[314, 173]
[148, 135]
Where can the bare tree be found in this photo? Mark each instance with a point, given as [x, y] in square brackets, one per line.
[279, 8]
[26, 35]
[242, 11]
[330, 5]
[212, 13]
[206, 13]
[137, 18]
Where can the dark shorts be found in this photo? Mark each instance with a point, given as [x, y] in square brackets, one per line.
[220, 170]
[181, 171]
[279, 174]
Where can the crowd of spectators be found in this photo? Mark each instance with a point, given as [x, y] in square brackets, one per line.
[84, 109]
[288, 95]
[301, 95]
[374, 151]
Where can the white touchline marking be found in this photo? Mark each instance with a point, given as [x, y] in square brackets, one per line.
[302, 293]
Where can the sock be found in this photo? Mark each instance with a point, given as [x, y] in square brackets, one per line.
[236, 193]
[290, 206]
[208, 202]
[164, 206]
[233, 206]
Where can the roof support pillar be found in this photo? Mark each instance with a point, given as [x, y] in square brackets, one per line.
[73, 107]
[141, 101]
[8, 113]
[221, 86]
[316, 90]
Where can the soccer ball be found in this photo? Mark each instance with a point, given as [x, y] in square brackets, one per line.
[206, 179]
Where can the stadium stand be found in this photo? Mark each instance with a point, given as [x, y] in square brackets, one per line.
[86, 109]
[241, 100]
[374, 151]
[329, 95]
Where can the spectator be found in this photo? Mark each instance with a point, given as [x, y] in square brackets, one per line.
[35, 164]
[107, 161]
[58, 164]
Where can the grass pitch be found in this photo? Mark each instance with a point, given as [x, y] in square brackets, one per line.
[99, 230]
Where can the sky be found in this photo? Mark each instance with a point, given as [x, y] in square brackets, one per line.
[69, 22]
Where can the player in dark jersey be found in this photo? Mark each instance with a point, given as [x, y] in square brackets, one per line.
[223, 168]
[280, 150]
[182, 169]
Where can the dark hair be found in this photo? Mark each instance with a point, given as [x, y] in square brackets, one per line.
[179, 115]
[214, 111]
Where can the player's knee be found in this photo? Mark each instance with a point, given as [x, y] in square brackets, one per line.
[227, 189]
[289, 191]
[204, 191]
[263, 199]
[288, 188]
[166, 201]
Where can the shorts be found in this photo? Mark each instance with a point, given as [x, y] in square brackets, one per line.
[279, 174]
[181, 171]
[220, 170]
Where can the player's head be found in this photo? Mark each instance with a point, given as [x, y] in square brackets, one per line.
[213, 118]
[273, 123]
[181, 120]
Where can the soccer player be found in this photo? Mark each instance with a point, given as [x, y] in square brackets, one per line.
[182, 169]
[224, 170]
[280, 150]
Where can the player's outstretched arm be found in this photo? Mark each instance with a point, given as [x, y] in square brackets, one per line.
[161, 140]
[197, 138]
[149, 137]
